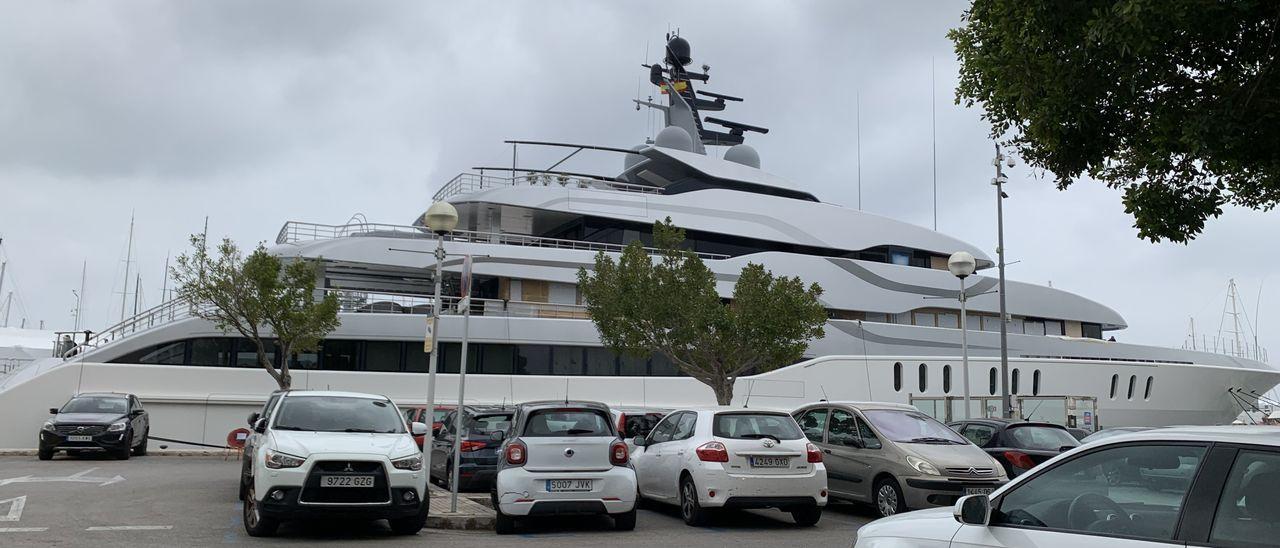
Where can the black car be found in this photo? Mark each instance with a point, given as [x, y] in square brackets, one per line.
[478, 463]
[1018, 445]
[99, 421]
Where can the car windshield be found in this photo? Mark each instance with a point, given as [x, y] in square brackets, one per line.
[1044, 438]
[912, 427]
[96, 404]
[484, 425]
[749, 426]
[338, 414]
[550, 423]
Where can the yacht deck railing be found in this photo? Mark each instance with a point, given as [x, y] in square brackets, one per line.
[465, 183]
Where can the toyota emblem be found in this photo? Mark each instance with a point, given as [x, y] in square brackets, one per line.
[568, 452]
[769, 443]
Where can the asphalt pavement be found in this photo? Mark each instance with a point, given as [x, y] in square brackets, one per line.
[191, 501]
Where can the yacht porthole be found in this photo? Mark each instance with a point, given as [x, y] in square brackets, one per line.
[946, 379]
[897, 377]
[924, 378]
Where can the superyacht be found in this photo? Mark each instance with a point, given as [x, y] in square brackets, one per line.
[893, 333]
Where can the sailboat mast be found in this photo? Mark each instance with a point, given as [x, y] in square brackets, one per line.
[128, 258]
[80, 296]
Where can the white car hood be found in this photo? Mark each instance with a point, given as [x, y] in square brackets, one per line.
[305, 444]
[935, 524]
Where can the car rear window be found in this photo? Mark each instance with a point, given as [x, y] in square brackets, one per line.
[747, 426]
[1043, 438]
[484, 425]
[552, 423]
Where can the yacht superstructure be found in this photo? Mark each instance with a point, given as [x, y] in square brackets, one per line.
[893, 333]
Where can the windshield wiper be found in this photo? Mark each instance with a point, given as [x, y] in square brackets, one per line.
[361, 430]
[760, 436]
[929, 439]
[580, 431]
[286, 427]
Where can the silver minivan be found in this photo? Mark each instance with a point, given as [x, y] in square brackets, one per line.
[895, 457]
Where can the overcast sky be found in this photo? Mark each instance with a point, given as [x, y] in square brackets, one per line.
[255, 113]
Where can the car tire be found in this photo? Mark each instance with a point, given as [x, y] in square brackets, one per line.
[807, 516]
[44, 454]
[124, 452]
[256, 524]
[625, 521]
[141, 449]
[888, 498]
[410, 525]
[691, 510]
[502, 523]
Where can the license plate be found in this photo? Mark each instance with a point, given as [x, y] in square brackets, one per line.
[79, 438]
[770, 462]
[563, 486]
[346, 481]
[978, 490]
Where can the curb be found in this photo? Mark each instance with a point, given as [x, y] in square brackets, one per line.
[160, 453]
[460, 521]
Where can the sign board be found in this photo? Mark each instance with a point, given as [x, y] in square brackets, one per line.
[237, 437]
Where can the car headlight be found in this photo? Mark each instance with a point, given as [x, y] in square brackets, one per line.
[923, 466]
[118, 426]
[48, 426]
[411, 462]
[277, 460]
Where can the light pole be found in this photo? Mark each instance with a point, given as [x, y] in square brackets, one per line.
[1006, 410]
[441, 218]
[961, 264]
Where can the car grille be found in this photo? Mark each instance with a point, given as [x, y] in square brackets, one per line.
[81, 430]
[313, 493]
[972, 472]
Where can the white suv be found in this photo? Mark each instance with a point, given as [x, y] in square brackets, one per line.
[564, 458]
[731, 458]
[335, 454]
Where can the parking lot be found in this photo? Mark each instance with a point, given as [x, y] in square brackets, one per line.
[191, 501]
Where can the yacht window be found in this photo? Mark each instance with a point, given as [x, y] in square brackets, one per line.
[566, 360]
[246, 352]
[1146, 394]
[1033, 327]
[1115, 382]
[897, 377]
[1014, 381]
[633, 366]
[1015, 326]
[382, 356]
[162, 354]
[533, 359]
[878, 317]
[948, 319]
[496, 359]
[660, 366]
[900, 258]
[946, 379]
[305, 360]
[991, 382]
[902, 319]
[535, 291]
[1133, 380]
[927, 319]
[338, 355]
[601, 361]
[451, 356]
[1091, 330]
[989, 323]
[415, 358]
[1053, 327]
[214, 352]
[924, 377]
[1035, 383]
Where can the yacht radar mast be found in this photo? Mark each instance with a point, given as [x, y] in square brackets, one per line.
[684, 106]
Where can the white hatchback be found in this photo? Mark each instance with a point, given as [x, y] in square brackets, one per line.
[724, 457]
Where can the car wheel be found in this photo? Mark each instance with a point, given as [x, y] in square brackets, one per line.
[141, 449]
[256, 524]
[410, 525]
[44, 454]
[807, 516]
[124, 452]
[625, 521]
[889, 499]
[692, 512]
[502, 523]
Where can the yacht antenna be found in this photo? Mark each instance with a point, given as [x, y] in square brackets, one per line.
[857, 101]
[933, 125]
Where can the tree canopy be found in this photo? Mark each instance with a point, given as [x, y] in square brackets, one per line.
[670, 306]
[258, 296]
[1174, 101]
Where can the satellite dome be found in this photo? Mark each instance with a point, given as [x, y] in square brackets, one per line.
[674, 137]
[743, 154]
[678, 52]
[632, 159]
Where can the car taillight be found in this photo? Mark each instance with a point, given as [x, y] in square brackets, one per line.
[516, 453]
[712, 451]
[469, 446]
[618, 454]
[813, 453]
[1019, 459]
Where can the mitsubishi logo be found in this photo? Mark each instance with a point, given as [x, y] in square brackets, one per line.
[348, 468]
[568, 452]
[769, 443]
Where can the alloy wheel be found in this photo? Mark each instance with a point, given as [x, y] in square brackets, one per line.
[251, 516]
[688, 498]
[887, 500]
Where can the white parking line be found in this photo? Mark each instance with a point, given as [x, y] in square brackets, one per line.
[23, 529]
[131, 528]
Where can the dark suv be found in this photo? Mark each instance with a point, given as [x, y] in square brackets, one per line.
[478, 452]
[98, 421]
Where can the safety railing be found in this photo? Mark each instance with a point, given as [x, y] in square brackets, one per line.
[466, 183]
[295, 232]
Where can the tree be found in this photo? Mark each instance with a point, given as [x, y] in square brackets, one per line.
[670, 306]
[1177, 102]
[255, 295]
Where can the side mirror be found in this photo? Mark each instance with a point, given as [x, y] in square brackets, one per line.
[498, 435]
[640, 441]
[53, 410]
[260, 426]
[135, 413]
[253, 418]
[973, 510]
[435, 430]
[418, 429]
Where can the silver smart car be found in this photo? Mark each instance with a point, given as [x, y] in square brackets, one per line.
[895, 457]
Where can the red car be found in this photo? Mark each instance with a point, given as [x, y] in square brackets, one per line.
[417, 414]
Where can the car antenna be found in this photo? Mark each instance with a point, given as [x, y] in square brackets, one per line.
[748, 400]
[566, 390]
[1033, 411]
[824, 392]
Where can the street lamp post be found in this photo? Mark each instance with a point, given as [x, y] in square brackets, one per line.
[961, 264]
[1006, 410]
[441, 218]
